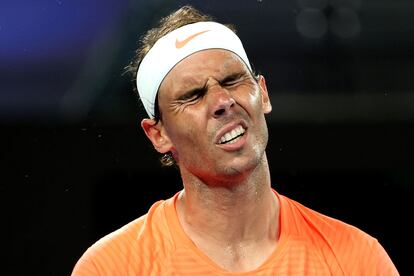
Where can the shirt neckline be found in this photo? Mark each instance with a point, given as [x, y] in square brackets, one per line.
[181, 239]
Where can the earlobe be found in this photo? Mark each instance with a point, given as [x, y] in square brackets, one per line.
[267, 106]
[155, 132]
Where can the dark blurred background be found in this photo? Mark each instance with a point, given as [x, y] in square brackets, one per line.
[76, 165]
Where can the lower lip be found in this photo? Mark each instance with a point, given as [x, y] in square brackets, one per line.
[235, 145]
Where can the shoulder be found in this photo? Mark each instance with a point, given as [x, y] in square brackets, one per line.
[352, 249]
[308, 220]
[132, 246]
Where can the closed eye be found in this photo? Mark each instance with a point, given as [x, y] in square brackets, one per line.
[192, 94]
[231, 79]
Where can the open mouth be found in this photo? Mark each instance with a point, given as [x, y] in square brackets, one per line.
[232, 136]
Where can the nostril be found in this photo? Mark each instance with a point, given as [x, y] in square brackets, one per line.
[223, 104]
[219, 112]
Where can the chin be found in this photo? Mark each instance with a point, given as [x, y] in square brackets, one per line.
[240, 167]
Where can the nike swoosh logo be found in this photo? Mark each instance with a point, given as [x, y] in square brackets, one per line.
[181, 43]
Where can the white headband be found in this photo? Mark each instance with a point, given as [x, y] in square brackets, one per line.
[177, 45]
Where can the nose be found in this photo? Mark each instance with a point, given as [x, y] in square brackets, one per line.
[221, 101]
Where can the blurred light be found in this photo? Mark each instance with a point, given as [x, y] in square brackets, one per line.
[311, 23]
[44, 45]
[344, 22]
[40, 30]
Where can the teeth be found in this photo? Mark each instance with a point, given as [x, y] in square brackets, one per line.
[232, 134]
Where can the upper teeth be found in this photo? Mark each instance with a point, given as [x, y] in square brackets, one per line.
[232, 134]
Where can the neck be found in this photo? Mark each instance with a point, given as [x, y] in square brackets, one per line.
[231, 217]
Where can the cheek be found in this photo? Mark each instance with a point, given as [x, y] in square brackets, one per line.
[185, 136]
[250, 100]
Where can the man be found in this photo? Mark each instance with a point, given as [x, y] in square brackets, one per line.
[207, 114]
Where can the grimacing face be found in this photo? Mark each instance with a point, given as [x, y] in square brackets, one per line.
[212, 117]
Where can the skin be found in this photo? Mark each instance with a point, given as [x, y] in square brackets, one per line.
[227, 207]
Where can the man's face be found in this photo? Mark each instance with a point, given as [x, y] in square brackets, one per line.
[213, 116]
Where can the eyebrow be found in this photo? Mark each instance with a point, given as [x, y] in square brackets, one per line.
[201, 89]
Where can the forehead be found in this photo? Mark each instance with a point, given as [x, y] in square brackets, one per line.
[202, 65]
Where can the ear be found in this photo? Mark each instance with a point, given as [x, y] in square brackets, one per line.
[156, 133]
[267, 106]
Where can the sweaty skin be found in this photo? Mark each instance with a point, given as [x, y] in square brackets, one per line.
[227, 207]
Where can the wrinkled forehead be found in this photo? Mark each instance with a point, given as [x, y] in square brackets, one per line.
[175, 47]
